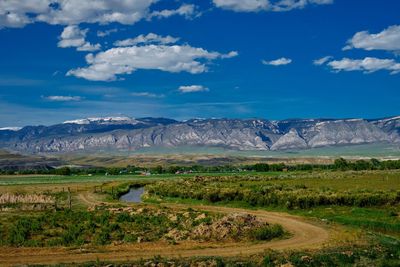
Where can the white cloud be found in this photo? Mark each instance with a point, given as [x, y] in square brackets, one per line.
[192, 89]
[287, 5]
[107, 65]
[89, 47]
[243, 5]
[388, 39]
[266, 5]
[97, 11]
[18, 13]
[73, 36]
[106, 32]
[14, 14]
[147, 39]
[186, 10]
[61, 98]
[278, 62]
[230, 54]
[322, 61]
[147, 94]
[367, 65]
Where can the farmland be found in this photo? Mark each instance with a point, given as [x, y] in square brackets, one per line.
[323, 217]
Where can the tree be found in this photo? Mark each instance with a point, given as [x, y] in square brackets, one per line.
[158, 169]
[63, 171]
[261, 167]
[341, 164]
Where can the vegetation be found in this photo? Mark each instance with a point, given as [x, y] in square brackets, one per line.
[76, 228]
[339, 164]
[259, 191]
[24, 201]
[267, 232]
[378, 219]
[381, 251]
[352, 196]
[123, 225]
[367, 200]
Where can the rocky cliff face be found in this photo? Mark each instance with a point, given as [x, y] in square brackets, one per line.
[132, 134]
[291, 140]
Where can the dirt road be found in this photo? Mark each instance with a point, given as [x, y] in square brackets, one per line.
[304, 235]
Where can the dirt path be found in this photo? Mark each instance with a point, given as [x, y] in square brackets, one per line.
[304, 235]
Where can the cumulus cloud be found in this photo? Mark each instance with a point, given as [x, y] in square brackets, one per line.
[266, 5]
[322, 61]
[192, 88]
[107, 65]
[278, 62]
[147, 39]
[61, 98]
[147, 94]
[97, 11]
[73, 36]
[388, 39]
[367, 65]
[73, 12]
[14, 14]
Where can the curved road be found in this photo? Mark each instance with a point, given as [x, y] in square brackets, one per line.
[304, 235]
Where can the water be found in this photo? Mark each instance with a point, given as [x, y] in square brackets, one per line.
[134, 195]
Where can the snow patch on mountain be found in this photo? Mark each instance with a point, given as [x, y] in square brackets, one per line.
[14, 129]
[103, 120]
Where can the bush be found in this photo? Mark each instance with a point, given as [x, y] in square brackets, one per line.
[267, 232]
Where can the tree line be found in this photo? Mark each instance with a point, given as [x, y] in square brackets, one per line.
[339, 164]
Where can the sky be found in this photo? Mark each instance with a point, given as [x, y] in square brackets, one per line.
[181, 59]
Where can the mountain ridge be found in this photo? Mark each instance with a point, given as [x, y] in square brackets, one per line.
[124, 133]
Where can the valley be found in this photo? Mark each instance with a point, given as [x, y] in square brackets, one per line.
[271, 225]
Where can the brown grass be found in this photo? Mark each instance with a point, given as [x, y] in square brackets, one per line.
[10, 198]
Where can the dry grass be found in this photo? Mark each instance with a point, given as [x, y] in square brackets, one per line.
[10, 198]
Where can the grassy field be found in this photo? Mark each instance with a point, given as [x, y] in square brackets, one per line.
[366, 216]
[55, 179]
[368, 200]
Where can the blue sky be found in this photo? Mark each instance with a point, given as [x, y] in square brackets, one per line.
[185, 59]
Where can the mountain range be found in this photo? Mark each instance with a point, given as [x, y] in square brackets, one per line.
[124, 133]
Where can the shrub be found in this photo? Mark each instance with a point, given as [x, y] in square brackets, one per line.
[267, 232]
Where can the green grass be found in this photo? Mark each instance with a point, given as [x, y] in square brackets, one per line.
[384, 220]
[21, 180]
[54, 179]
[350, 180]
[288, 190]
[335, 180]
